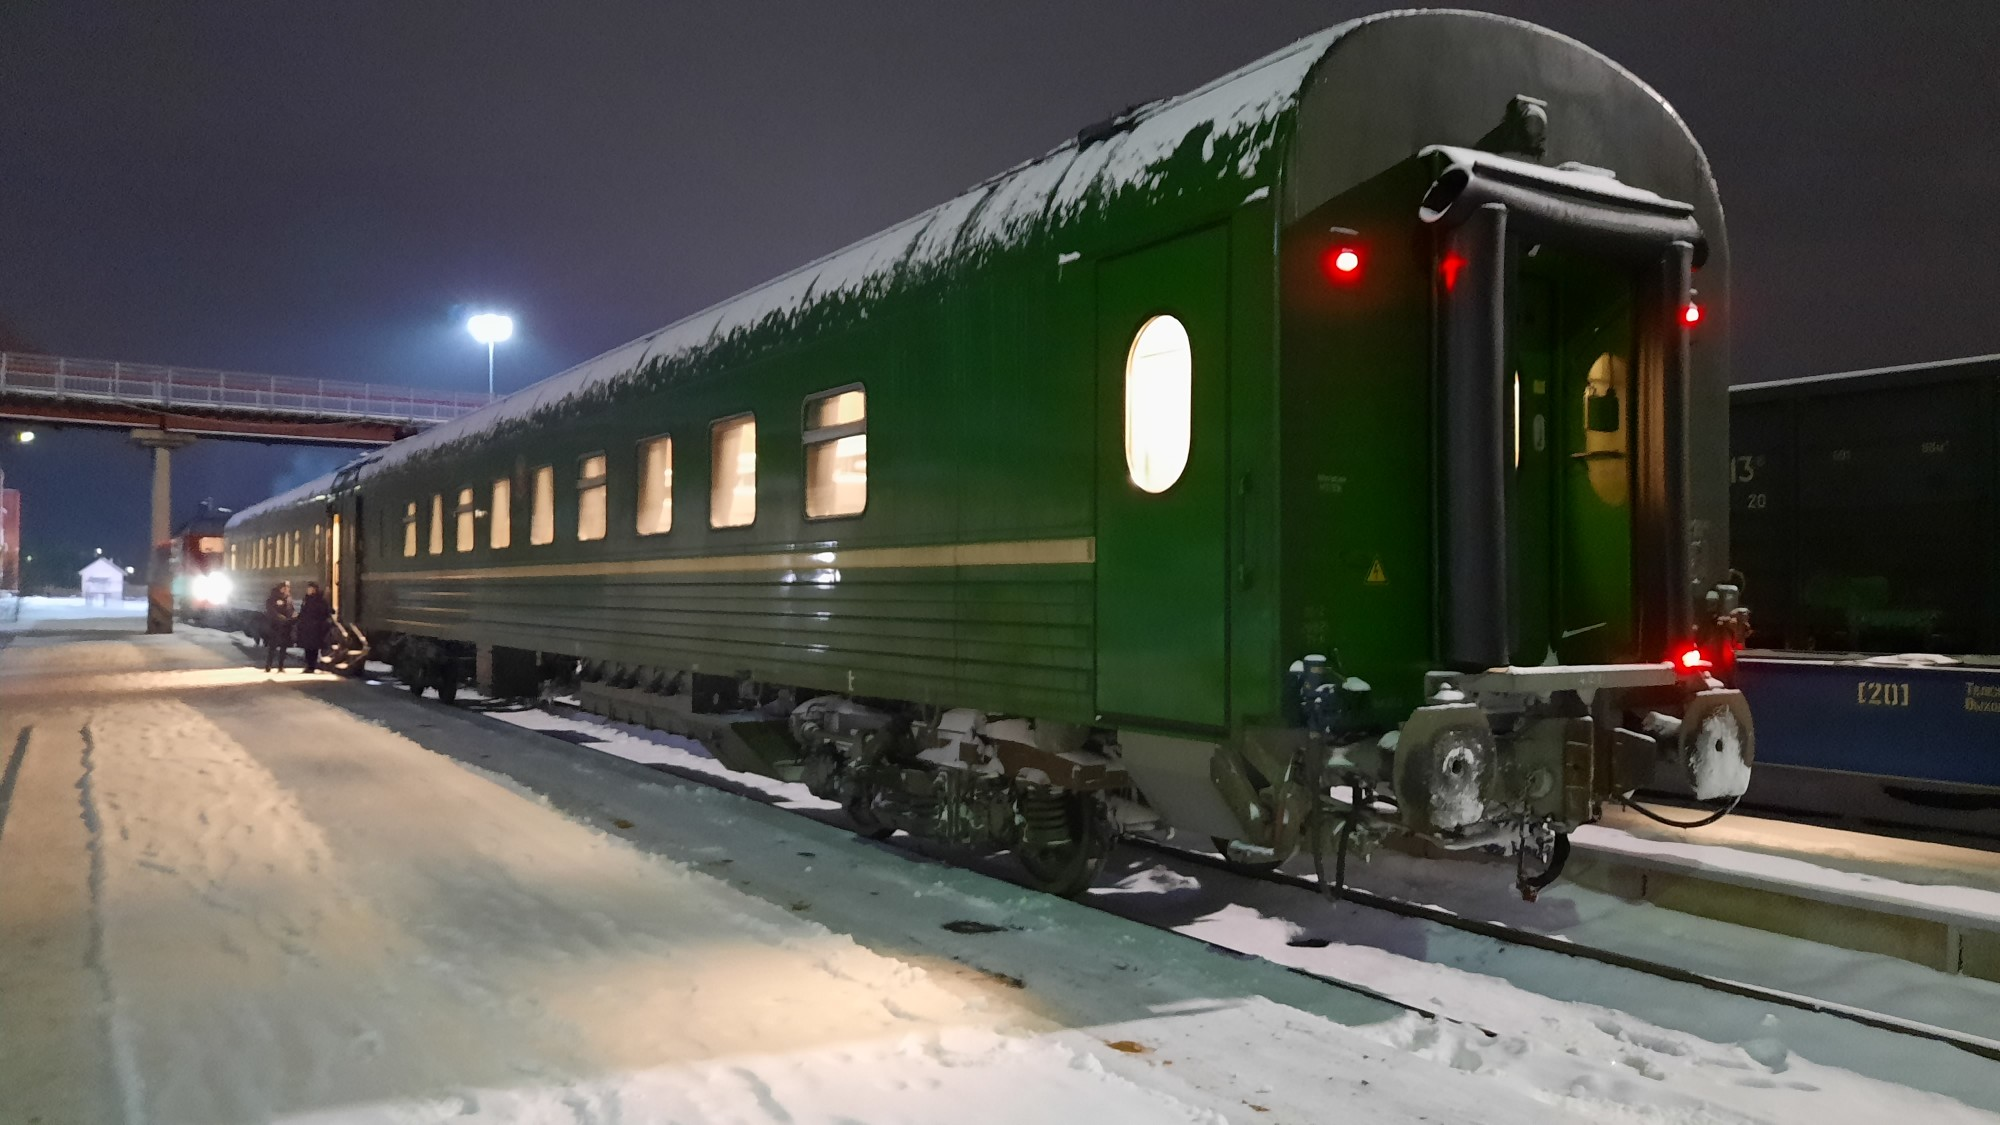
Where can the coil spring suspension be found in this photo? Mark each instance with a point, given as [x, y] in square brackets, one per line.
[1045, 818]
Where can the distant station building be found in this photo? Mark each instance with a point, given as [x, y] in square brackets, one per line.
[103, 582]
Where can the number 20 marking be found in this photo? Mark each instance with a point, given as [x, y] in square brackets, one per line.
[1876, 693]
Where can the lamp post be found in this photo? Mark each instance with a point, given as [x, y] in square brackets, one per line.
[490, 329]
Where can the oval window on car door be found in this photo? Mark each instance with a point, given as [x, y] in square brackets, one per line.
[1159, 403]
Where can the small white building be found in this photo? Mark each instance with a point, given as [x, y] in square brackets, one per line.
[103, 582]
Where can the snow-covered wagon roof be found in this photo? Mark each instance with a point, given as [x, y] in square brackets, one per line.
[283, 499]
[1239, 114]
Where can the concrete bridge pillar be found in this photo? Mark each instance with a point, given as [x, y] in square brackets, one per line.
[160, 571]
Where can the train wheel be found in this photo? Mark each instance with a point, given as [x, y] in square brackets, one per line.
[1064, 842]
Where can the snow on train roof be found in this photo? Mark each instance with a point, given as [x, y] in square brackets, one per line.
[283, 499]
[1240, 107]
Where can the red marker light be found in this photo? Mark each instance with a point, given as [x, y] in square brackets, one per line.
[1448, 269]
[1690, 659]
[1691, 314]
[1342, 263]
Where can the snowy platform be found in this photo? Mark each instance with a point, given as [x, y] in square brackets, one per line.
[227, 896]
[1932, 904]
[37, 614]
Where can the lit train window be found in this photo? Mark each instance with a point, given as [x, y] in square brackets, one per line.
[836, 437]
[732, 496]
[500, 532]
[298, 556]
[437, 523]
[410, 530]
[466, 512]
[1159, 404]
[591, 492]
[542, 517]
[656, 486]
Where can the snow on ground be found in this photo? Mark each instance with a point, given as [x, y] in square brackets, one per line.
[1545, 999]
[34, 612]
[1977, 904]
[238, 897]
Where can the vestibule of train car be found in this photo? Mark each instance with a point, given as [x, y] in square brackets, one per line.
[1571, 336]
[1562, 411]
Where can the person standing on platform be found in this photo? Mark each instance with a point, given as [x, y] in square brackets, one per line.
[278, 614]
[315, 618]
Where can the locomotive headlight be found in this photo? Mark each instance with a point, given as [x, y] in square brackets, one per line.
[212, 588]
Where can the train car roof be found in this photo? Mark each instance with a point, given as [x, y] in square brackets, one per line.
[285, 499]
[1238, 122]
[1904, 370]
[1033, 197]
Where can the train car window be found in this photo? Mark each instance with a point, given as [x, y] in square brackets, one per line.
[1159, 404]
[542, 517]
[298, 552]
[591, 492]
[732, 495]
[410, 530]
[656, 486]
[437, 523]
[466, 512]
[500, 532]
[836, 440]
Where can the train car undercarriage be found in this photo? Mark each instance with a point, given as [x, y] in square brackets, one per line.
[1509, 761]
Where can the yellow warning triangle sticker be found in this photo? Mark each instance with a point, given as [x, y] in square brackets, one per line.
[1375, 575]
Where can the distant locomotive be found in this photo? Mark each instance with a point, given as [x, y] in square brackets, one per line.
[201, 583]
[1864, 517]
[1330, 452]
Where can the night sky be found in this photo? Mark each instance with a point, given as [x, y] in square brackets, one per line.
[326, 190]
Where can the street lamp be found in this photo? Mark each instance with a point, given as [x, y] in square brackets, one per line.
[490, 329]
[25, 437]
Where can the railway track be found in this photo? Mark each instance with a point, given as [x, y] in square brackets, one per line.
[1974, 1045]
[1498, 931]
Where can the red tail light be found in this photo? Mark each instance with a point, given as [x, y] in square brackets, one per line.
[1689, 658]
[1691, 314]
[1448, 269]
[1342, 263]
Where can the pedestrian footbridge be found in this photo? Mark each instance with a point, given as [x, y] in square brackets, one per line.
[57, 390]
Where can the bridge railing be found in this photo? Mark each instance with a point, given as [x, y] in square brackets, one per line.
[186, 388]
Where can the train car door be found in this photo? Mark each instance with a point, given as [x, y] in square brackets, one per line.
[345, 587]
[1162, 357]
[333, 566]
[1573, 344]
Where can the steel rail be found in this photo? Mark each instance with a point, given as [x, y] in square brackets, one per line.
[1976, 1045]
[1499, 931]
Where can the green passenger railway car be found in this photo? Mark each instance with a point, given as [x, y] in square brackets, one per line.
[1327, 453]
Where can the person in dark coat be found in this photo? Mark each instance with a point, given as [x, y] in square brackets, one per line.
[278, 614]
[315, 619]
